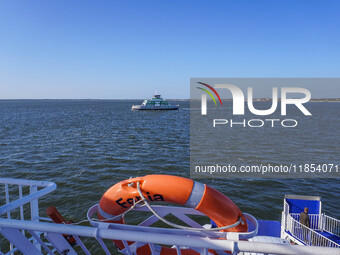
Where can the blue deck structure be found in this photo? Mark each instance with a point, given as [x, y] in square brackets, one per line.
[269, 228]
[323, 231]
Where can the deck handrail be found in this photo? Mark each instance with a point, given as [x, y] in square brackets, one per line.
[331, 225]
[307, 235]
[199, 242]
[315, 220]
[34, 193]
[179, 212]
[322, 222]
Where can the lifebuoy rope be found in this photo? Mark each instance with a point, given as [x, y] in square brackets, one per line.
[146, 203]
[113, 218]
[180, 226]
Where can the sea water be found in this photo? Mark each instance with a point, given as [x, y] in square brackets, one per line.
[86, 146]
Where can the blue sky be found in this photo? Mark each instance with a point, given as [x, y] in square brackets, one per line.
[129, 49]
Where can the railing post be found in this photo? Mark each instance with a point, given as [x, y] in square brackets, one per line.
[283, 224]
[8, 213]
[35, 212]
[34, 205]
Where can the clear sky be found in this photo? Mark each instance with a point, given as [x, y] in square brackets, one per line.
[129, 49]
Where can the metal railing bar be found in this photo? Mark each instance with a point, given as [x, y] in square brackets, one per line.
[151, 220]
[9, 212]
[49, 187]
[35, 211]
[12, 251]
[21, 206]
[34, 204]
[102, 244]
[127, 247]
[11, 181]
[186, 220]
[82, 245]
[178, 250]
[331, 225]
[194, 241]
[166, 209]
[134, 246]
[152, 248]
[38, 239]
[45, 219]
[7, 200]
[159, 230]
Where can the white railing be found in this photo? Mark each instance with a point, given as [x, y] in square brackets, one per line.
[331, 225]
[315, 220]
[17, 195]
[310, 236]
[321, 222]
[202, 244]
[177, 235]
[307, 235]
[37, 235]
[25, 192]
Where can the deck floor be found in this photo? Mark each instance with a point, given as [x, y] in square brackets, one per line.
[330, 236]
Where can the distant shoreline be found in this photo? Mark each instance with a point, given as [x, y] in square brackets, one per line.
[328, 100]
[332, 100]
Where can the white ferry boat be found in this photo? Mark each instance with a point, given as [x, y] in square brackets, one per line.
[156, 103]
[25, 231]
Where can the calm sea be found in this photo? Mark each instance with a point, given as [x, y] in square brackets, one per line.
[86, 146]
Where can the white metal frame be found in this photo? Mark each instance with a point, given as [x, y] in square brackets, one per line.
[180, 213]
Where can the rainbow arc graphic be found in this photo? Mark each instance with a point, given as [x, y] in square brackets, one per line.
[209, 93]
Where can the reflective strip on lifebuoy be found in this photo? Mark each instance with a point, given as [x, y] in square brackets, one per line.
[218, 207]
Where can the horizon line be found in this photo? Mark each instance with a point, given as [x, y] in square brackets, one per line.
[182, 99]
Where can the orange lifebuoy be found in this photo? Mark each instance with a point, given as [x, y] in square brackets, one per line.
[218, 207]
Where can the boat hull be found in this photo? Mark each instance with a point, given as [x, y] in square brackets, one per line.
[155, 108]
